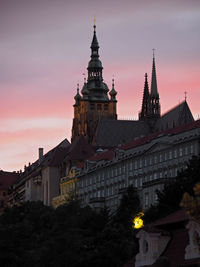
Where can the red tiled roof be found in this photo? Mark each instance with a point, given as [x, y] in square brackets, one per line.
[109, 154]
[178, 216]
[146, 139]
[131, 263]
[80, 149]
[175, 251]
[106, 155]
[7, 179]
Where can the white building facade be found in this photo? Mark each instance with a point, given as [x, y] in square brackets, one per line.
[146, 163]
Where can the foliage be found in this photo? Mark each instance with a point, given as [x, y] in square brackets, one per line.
[192, 204]
[36, 235]
[169, 199]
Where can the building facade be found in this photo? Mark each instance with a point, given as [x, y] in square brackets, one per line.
[146, 163]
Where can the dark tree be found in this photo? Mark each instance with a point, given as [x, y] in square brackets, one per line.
[169, 199]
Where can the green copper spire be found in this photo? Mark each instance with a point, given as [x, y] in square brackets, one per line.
[154, 90]
[113, 92]
[77, 97]
[95, 88]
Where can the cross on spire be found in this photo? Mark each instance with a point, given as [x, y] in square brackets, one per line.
[94, 20]
[185, 95]
[153, 52]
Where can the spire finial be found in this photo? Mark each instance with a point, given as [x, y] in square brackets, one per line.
[94, 21]
[153, 52]
[185, 95]
[78, 87]
[113, 81]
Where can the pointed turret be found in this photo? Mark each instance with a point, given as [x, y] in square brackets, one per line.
[77, 97]
[113, 92]
[145, 112]
[154, 90]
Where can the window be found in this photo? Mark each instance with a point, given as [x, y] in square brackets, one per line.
[160, 158]
[186, 150]
[136, 183]
[155, 176]
[98, 106]
[145, 162]
[175, 153]
[92, 106]
[146, 199]
[140, 163]
[170, 154]
[191, 148]
[131, 166]
[135, 164]
[105, 106]
[155, 159]
[180, 152]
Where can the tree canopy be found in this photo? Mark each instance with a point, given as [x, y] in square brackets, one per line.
[169, 199]
[36, 235]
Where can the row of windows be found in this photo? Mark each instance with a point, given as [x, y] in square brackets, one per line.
[154, 159]
[140, 163]
[99, 106]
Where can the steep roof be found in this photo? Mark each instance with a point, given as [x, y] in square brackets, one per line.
[80, 149]
[7, 179]
[176, 130]
[177, 116]
[56, 155]
[111, 133]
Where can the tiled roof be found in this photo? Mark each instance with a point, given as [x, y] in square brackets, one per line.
[80, 149]
[7, 179]
[177, 130]
[178, 216]
[111, 133]
[106, 155]
[177, 116]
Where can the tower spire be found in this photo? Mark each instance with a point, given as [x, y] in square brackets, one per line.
[144, 114]
[154, 95]
[154, 90]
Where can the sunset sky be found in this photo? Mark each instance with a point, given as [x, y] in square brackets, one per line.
[45, 49]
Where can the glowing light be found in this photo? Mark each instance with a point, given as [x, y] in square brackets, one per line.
[137, 221]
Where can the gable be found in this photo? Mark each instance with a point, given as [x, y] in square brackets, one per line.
[159, 146]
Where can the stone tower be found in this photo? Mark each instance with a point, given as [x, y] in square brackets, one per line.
[93, 104]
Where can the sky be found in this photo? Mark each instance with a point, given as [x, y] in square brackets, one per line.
[45, 49]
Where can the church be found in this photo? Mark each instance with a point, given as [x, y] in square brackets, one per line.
[95, 109]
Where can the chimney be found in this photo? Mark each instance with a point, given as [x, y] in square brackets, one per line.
[40, 151]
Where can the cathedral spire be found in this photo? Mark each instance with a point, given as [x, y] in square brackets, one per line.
[154, 95]
[154, 90]
[94, 45]
[146, 101]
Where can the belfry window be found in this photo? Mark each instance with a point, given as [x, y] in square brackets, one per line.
[98, 106]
